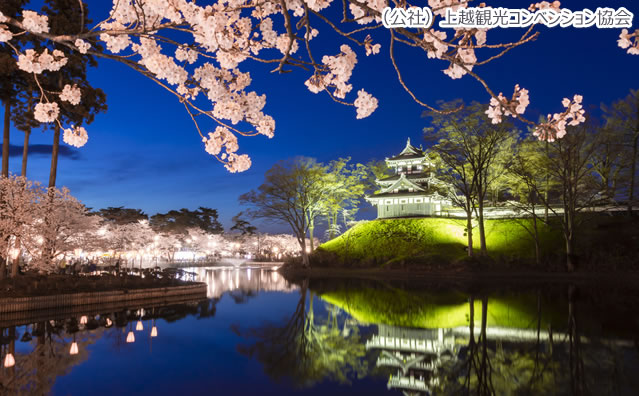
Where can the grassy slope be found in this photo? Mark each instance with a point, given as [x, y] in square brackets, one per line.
[397, 239]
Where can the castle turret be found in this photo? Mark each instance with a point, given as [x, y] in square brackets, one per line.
[412, 189]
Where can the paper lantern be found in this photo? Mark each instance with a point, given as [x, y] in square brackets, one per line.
[9, 361]
[139, 326]
[154, 331]
[130, 337]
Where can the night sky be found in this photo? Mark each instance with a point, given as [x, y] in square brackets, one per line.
[144, 152]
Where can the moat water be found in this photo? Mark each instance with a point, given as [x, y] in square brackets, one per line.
[258, 334]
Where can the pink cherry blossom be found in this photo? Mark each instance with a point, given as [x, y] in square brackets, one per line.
[629, 41]
[34, 22]
[439, 6]
[555, 5]
[75, 136]
[221, 138]
[32, 62]
[365, 104]
[438, 43]
[46, 112]
[82, 45]
[501, 106]
[5, 34]
[555, 125]
[237, 163]
[71, 94]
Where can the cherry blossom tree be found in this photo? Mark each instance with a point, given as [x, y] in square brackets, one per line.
[131, 239]
[198, 52]
[19, 200]
[62, 225]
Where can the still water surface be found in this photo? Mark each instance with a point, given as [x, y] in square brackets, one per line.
[258, 334]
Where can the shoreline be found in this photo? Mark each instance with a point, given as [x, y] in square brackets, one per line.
[466, 276]
[10, 305]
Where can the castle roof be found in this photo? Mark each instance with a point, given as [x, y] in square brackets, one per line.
[409, 152]
[409, 176]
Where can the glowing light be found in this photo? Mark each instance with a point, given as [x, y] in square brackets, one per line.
[130, 337]
[74, 349]
[13, 253]
[139, 326]
[154, 331]
[9, 361]
[84, 320]
[109, 322]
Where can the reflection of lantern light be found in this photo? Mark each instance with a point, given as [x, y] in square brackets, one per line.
[84, 320]
[154, 331]
[109, 322]
[139, 326]
[9, 361]
[130, 337]
[74, 349]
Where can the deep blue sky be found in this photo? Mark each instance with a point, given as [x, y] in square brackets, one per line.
[145, 153]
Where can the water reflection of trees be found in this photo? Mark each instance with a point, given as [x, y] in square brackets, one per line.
[560, 344]
[308, 349]
[55, 346]
[241, 283]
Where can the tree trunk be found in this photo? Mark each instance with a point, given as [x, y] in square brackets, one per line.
[3, 266]
[546, 203]
[23, 173]
[331, 225]
[16, 261]
[5, 139]
[482, 232]
[305, 262]
[311, 228]
[568, 236]
[469, 232]
[633, 169]
[25, 153]
[536, 234]
[54, 155]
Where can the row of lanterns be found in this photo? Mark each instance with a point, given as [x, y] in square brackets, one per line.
[10, 361]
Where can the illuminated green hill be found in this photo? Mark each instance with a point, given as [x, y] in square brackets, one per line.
[424, 239]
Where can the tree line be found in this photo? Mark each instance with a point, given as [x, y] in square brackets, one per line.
[550, 181]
